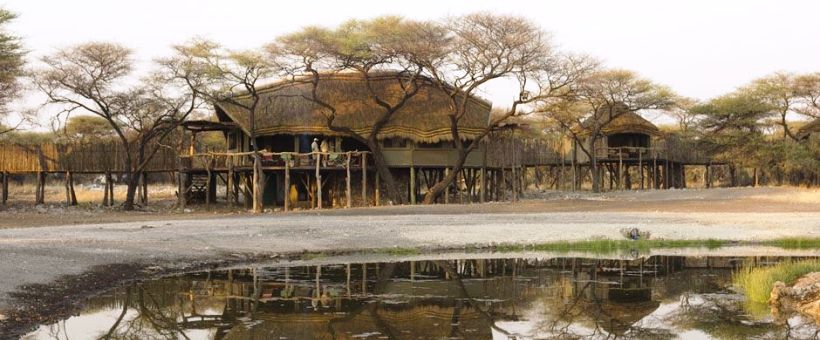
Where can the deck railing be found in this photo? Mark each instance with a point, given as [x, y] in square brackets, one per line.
[224, 160]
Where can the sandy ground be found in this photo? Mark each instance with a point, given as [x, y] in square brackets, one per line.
[31, 254]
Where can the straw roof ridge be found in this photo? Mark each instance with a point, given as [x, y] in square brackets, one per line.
[285, 108]
[342, 75]
[625, 121]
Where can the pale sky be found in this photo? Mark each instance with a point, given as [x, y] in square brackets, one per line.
[699, 48]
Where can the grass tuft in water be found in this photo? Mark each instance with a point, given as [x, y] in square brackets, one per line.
[757, 282]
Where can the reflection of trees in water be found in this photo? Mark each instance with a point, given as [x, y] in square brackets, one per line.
[573, 298]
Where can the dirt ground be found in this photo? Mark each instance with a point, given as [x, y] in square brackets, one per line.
[22, 213]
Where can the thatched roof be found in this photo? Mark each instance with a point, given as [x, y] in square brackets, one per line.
[286, 108]
[807, 130]
[624, 121]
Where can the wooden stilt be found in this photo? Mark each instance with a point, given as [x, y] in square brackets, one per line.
[111, 189]
[39, 196]
[286, 188]
[144, 182]
[620, 169]
[318, 181]
[5, 186]
[655, 183]
[447, 189]
[640, 166]
[482, 190]
[377, 191]
[208, 183]
[347, 182]
[229, 185]
[257, 184]
[707, 177]
[364, 179]
[181, 200]
[67, 189]
[412, 185]
[72, 193]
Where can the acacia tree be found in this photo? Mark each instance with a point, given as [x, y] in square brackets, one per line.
[379, 48]
[733, 128]
[85, 128]
[808, 91]
[483, 48]
[779, 92]
[220, 75]
[96, 78]
[788, 95]
[11, 67]
[600, 97]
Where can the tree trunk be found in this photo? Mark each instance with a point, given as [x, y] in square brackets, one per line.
[131, 192]
[384, 172]
[596, 174]
[437, 189]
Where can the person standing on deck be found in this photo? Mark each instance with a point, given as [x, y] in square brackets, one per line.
[325, 147]
[314, 147]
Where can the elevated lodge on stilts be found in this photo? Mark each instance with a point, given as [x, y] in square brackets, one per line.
[416, 143]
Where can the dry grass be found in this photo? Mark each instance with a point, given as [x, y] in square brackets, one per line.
[25, 193]
[795, 195]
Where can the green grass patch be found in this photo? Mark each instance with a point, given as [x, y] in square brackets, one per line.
[757, 282]
[399, 251]
[795, 243]
[604, 246]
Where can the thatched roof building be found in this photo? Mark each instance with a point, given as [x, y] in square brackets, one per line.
[622, 120]
[287, 107]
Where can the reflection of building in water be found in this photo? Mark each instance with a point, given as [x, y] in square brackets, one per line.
[432, 299]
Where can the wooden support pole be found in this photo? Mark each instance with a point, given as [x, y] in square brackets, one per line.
[144, 182]
[482, 190]
[620, 169]
[364, 179]
[181, 199]
[257, 184]
[640, 167]
[111, 189]
[229, 184]
[108, 197]
[71, 188]
[318, 159]
[67, 189]
[347, 183]
[5, 194]
[707, 177]
[412, 185]
[287, 186]
[666, 174]
[208, 183]
[655, 183]
[377, 191]
[447, 189]
[41, 183]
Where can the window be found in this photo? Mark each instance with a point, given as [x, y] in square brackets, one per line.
[395, 143]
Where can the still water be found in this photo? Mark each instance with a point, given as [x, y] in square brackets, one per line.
[659, 297]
